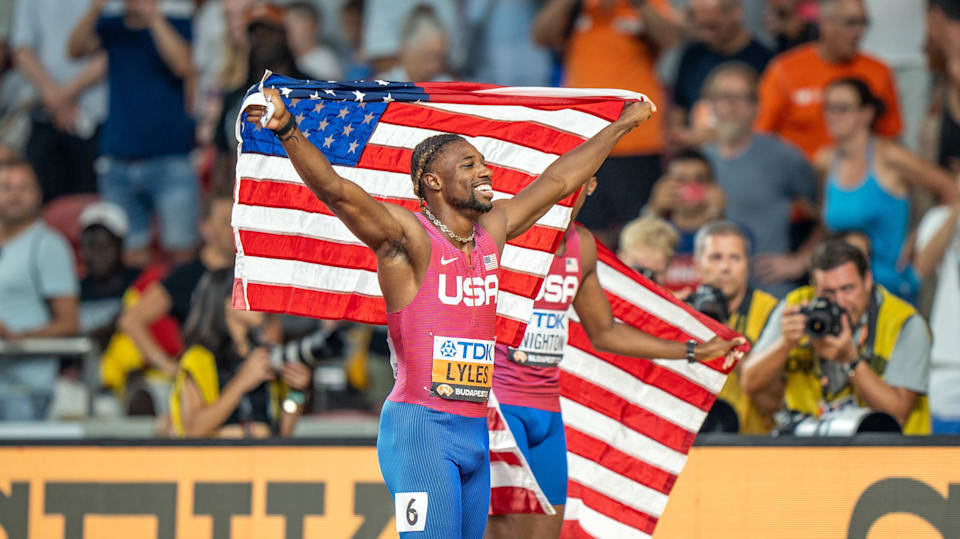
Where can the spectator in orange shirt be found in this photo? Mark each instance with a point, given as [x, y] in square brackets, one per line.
[615, 44]
[791, 90]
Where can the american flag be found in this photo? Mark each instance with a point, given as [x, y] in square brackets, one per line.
[629, 423]
[294, 256]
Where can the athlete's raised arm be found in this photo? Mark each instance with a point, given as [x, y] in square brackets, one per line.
[564, 176]
[608, 335]
[376, 224]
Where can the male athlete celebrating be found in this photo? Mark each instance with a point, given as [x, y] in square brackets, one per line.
[438, 273]
[525, 379]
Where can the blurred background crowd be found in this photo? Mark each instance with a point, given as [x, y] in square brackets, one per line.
[804, 150]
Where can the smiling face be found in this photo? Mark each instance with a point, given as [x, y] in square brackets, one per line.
[459, 175]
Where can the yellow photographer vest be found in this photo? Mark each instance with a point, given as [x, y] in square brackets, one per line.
[749, 321]
[803, 387]
[200, 364]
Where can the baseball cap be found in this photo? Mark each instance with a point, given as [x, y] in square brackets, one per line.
[106, 214]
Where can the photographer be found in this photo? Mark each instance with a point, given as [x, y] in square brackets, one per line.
[226, 386]
[722, 262]
[845, 341]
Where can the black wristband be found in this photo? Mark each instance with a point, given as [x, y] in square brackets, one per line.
[286, 129]
[691, 354]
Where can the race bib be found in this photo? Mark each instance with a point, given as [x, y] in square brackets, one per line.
[462, 368]
[544, 340]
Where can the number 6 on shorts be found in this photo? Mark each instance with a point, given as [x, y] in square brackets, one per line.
[411, 511]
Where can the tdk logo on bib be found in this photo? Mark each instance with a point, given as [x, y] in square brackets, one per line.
[549, 320]
[471, 291]
[472, 350]
[462, 368]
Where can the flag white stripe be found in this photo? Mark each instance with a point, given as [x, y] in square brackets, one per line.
[573, 121]
[505, 475]
[511, 305]
[704, 376]
[494, 151]
[530, 259]
[306, 275]
[621, 437]
[597, 524]
[635, 293]
[327, 227]
[375, 182]
[616, 486]
[620, 382]
[292, 222]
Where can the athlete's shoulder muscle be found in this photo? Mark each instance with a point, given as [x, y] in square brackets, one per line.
[495, 223]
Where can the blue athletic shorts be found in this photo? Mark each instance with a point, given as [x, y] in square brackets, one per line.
[437, 467]
[540, 436]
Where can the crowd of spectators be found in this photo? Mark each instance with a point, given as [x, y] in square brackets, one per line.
[804, 149]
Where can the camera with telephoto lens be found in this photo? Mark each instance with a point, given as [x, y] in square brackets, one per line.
[711, 301]
[824, 317]
[309, 349]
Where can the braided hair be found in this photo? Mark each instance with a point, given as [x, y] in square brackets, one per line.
[423, 154]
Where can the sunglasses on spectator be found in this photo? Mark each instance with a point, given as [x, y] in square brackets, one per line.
[840, 108]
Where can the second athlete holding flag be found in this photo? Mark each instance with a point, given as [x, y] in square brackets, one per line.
[526, 379]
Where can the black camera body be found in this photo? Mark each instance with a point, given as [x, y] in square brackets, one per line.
[711, 301]
[824, 317]
[309, 349]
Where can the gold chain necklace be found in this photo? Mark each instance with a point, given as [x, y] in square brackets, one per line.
[443, 227]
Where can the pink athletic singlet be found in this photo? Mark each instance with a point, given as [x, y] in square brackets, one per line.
[442, 342]
[527, 375]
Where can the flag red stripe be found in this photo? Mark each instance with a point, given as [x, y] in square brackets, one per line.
[519, 283]
[505, 456]
[295, 196]
[572, 530]
[313, 250]
[273, 193]
[315, 303]
[633, 416]
[529, 134]
[505, 500]
[510, 331]
[494, 421]
[615, 460]
[647, 371]
[612, 508]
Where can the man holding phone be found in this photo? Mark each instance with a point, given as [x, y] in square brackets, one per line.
[687, 197]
